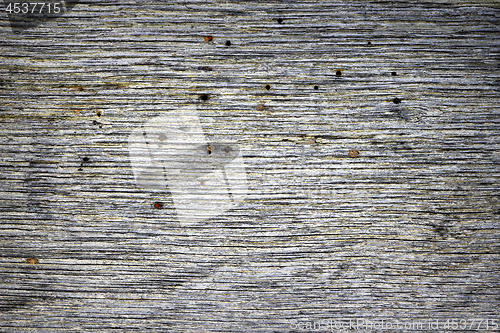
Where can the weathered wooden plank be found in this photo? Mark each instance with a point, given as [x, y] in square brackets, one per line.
[406, 231]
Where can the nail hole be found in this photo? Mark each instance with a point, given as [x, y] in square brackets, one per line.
[99, 113]
[228, 43]
[205, 68]
[441, 230]
[86, 159]
[268, 86]
[396, 100]
[394, 73]
[316, 87]
[204, 97]
[280, 20]
[338, 72]
[369, 43]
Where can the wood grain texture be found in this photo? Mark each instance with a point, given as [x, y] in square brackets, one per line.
[406, 231]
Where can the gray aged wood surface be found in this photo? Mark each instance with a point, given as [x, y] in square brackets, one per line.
[407, 231]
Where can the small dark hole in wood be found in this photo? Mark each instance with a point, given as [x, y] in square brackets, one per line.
[396, 100]
[316, 87]
[268, 86]
[86, 159]
[338, 73]
[204, 97]
[228, 43]
[158, 205]
[280, 20]
[394, 74]
[369, 43]
[441, 230]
